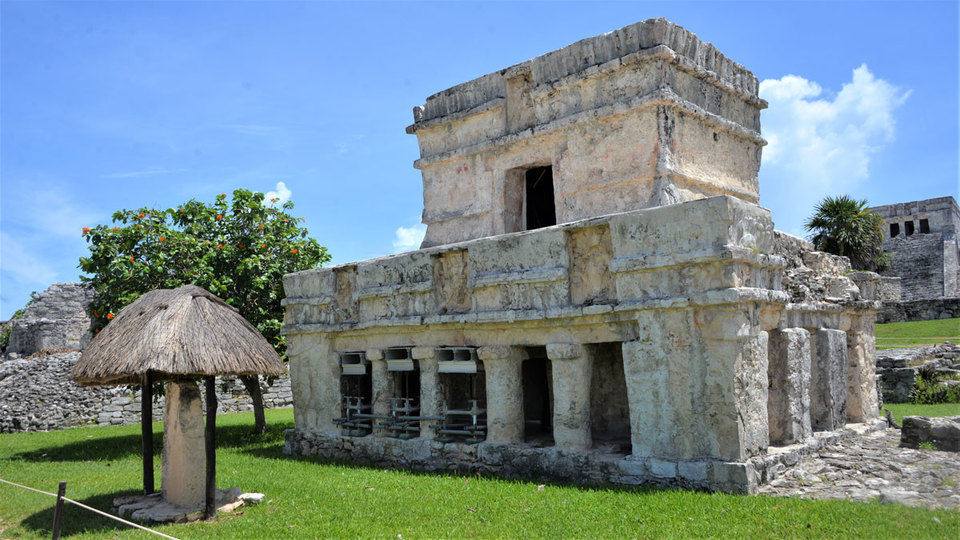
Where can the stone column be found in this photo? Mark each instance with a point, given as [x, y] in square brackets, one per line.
[314, 382]
[828, 380]
[504, 393]
[183, 472]
[862, 401]
[572, 371]
[430, 398]
[697, 384]
[382, 381]
[788, 402]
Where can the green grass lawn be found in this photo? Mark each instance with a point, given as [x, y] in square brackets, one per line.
[900, 410]
[917, 333]
[311, 498]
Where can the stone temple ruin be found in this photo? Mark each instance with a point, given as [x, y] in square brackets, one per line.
[599, 298]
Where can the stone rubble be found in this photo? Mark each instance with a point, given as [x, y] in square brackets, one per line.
[873, 467]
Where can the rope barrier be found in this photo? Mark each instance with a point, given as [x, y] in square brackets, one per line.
[81, 505]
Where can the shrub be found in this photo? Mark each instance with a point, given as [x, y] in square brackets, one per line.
[928, 389]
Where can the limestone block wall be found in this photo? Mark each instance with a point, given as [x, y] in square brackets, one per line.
[37, 394]
[689, 296]
[644, 116]
[919, 310]
[57, 320]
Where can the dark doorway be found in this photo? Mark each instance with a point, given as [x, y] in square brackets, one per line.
[540, 208]
[909, 227]
[894, 230]
[609, 406]
[924, 226]
[537, 381]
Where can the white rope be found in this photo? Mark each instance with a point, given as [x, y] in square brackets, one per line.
[81, 505]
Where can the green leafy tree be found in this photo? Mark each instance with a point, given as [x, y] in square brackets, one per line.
[845, 226]
[238, 249]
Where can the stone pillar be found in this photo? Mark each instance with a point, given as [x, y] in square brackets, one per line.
[862, 400]
[430, 398]
[828, 380]
[504, 393]
[788, 402]
[697, 384]
[382, 381]
[572, 371]
[314, 382]
[183, 471]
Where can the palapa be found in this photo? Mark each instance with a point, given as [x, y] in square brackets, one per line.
[171, 335]
[175, 333]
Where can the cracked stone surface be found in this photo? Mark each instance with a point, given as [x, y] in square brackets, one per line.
[874, 467]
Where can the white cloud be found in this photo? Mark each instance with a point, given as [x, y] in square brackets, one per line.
[282, 194]
[23, 266]
[825, 142]
[821, 143]
[409, 238]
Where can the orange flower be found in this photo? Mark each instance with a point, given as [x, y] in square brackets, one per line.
[263, 246]
[286, 221]
[271, 200]
[259, 226]
[110, 316]
[219, 217]
[95, 313]
[161, 239]
[139, 225]
[219, 246]
[131, 259]
[241, 245]
[97, 331]
[223, 194]
[86, 230]
[141, 216]
[116, 228]
[181, 210]
[294, 250]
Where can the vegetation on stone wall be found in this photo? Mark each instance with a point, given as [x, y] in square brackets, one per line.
[238, 249]
[930, 388]
[845, 226]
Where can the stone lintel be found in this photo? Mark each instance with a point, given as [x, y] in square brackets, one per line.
[564, 351]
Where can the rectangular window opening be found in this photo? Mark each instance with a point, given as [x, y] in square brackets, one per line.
[924, 226]
[909, 227]
[539, 205]
[536, 378]
[609, 406]
[894, 230]
[356, 391]
[463, 386]
[404, 417]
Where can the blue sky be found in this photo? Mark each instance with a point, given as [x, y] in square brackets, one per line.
[127, 104]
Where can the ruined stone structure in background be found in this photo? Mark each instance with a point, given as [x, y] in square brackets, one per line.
[922, 239]
[57, 320]
[598, 298]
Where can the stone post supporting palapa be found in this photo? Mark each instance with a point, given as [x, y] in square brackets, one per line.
[572, 373]
[502, 365]
[184, 444]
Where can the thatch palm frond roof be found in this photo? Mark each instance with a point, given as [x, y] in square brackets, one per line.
[175, 333]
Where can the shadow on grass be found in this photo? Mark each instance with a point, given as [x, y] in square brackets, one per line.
[119, 447]
[78, 520]
[276, 452]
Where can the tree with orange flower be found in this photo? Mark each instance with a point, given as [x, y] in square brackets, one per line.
[238, 249]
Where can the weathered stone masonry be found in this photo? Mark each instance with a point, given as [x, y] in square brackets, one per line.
[598, 298]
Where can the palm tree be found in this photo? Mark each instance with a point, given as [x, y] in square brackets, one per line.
[845, 226]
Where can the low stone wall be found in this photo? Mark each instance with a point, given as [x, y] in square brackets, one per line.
[919, 310]
[37, 394]
[897, 368]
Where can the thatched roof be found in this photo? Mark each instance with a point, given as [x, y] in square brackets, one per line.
[176, 332]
